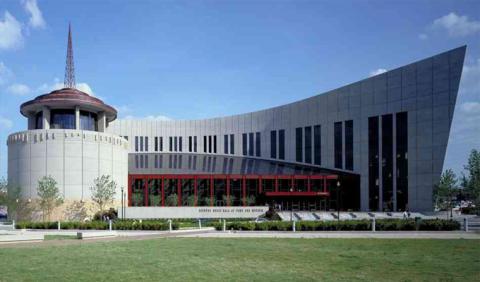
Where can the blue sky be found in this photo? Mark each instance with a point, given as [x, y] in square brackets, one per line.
[199, 59]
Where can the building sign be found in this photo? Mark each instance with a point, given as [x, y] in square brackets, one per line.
[193, 212]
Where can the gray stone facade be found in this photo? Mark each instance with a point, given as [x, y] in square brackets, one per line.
[426, 90]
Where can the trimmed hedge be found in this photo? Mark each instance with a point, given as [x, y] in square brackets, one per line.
[101, 225]
[345, 225]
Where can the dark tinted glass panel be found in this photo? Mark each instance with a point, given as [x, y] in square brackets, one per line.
[244, 144]
[195, 144]
[161, 143]
[88, 121]
[250, 144]
[203, 192]
[155, 145]
[316, 185]
[373, 162]
[298, 144]
[273, 144]
[210, 143]
[170, 144]
[62, 119]
[204, 144]
[171, 192]
[308, 144]
[349, 144]
[190, 143]
[215, 144]
[268, 185]
[387, 162]
[251, 189]
[146, 143]
[301, 185]
[136, 143]
[257, 144]
[232, 144]
[141, 143]
[284, 185]
[225, 144]
[39, 120]
[281, 144]
[317, 145]
[188, 195]
[175, 143]
[138, 193]
[154, 192]
[402, 161]
[220, 192]
[236, 194]
[338, 136]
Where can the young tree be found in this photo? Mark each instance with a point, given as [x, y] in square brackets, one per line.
[103, 191]
[445, 190]
[49, 195]
[471, 182]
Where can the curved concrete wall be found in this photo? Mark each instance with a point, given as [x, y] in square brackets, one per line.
[73, 158]
[427, 90]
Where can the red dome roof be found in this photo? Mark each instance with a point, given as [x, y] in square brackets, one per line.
[66, 98]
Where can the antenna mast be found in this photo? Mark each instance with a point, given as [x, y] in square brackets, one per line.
[69, 81]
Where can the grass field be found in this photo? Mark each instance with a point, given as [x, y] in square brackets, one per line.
[187, 259]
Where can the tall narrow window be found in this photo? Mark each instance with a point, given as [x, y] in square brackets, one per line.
[146, 143]
[281, 144]
[210, 143]
[161, 144]
[141, 143]
[308, 144]
[205, 144]
[155, 145]
[136, 143]
[225, 144]
[298, 144]
[373, 162]
[175, 143]
[258, 142]
[232, 144]
[273, 144]
[338, 143]
[317, 144]
[244, 144]
[190, 143]
[170, 144]
[195, 144]
[250, 144]
[349, 144]
[402, 161]
[387, 162]
[180, 143]
[214, 144]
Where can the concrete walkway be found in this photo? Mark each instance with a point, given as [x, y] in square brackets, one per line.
[340, 234]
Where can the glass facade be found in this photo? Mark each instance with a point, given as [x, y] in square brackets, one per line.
[387, 162]
[88, 121]
[349, 144]
[250, 144]
[338, 144]
[273, 144]
[308, 144]
[62, 119]
[244, 144]
[281, 144]
[232, 144]
[373, 163]
[402, 160]
[225, 144]
[258, 146]
[298, 144]
[317, 145]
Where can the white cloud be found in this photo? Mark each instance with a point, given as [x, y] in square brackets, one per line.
[5, 73]
[150, 117]
[5, 123]
[10, 32]
[84, 87]
[471, 108]
[456, 25]
[36, 19]
[377, 72]
[470, 84]
[18, 89]
[423, 36]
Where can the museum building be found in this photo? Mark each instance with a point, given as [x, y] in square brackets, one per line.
[374, 145]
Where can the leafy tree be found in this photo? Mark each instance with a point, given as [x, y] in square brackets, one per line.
[471, 182]
[49, 196]
[445, 190]
[103, 191]
[172, 200]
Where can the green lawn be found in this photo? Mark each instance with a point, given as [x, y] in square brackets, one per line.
[185, 259]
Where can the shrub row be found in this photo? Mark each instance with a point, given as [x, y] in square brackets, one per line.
[345, 225]
[101, 225]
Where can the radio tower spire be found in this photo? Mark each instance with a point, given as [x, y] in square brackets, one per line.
[69, 81]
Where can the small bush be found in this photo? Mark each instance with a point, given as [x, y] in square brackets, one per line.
[101, 225]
